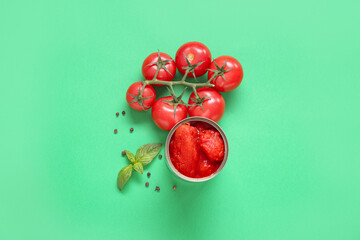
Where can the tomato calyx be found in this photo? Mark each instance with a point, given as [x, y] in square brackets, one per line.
[176, 100]
[199, 102]
[160, 64]
[139, 98]
[219, 71]
[191, 68]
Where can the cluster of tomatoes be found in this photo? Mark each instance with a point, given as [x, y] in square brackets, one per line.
[194, 60]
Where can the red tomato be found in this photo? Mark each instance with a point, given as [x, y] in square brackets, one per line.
[147, 98]
[206, 167]
[152, 63]
[195, 52]
[201, 126]
[184, 150]
[232, 72]
[213, 108]
[212, 145]
[163, 113]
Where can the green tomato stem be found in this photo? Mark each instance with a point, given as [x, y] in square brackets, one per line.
[173, 83]
[196, 94]
[182, 82]
[185, 75]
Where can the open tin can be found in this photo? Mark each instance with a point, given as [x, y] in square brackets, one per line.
[167, 153]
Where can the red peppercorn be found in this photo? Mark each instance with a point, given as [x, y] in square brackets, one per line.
[117, 114]
[123, 153]
[148, 174]
[174, 187]
[147, 184]
[157, 188]
[123, 112]
[115, 130]
[160, 156]
[131, 129]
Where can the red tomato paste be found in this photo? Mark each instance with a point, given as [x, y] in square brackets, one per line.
[196, 149]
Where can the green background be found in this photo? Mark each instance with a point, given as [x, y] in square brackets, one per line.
[293, 124]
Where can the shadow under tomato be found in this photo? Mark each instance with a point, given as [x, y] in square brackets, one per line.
[139, 116]
[233, 100]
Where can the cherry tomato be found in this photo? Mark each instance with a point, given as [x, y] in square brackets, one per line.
[167, 67]
[195, 52]
[213, 108]
[232, 72]
[163, 113]
[147, 98]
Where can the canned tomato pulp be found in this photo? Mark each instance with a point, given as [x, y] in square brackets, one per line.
[220, 165]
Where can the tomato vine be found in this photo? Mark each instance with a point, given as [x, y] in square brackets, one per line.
[189, 69]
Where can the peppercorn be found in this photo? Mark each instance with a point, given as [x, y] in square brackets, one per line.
[123, 112]
[148, 174]
[123, 153]
[131, 129]
[174, 187]
[147, 184]
[157, 188]
[160, 156]
[115, 130]
[117, 114]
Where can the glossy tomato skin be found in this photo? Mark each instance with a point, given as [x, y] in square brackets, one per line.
[195, 52]
[214, 107]
[163, 113]
[233, 77]
[149, 91]
[149, 71]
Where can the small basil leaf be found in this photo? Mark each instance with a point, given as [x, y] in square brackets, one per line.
[139, 167]
[146, 153]
[130, 156]
[124, 175]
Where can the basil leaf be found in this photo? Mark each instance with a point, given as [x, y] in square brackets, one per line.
[124, 175]
[139, 167]
[130, 156]
[146, 153]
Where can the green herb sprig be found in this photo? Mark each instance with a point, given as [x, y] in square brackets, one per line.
[144, 155]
